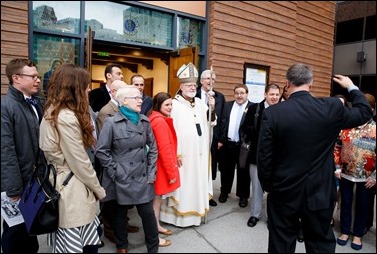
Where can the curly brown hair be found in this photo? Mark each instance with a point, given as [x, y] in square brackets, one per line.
[68, 90]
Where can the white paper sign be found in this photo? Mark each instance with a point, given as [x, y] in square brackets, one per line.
[256, 82]
[9, 211]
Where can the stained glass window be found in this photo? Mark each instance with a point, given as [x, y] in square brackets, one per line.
[189, 33]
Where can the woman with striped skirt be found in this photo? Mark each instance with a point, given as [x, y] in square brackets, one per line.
[66, 132]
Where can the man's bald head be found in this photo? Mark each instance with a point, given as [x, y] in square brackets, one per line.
[115, 86]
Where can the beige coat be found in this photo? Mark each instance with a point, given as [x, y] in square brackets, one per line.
[78, 201]
[108, 110]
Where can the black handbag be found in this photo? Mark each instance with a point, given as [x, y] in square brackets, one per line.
[39, 204]
[243, 159]
[39, 201]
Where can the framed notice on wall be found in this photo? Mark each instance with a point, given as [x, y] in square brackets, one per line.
[256, 78]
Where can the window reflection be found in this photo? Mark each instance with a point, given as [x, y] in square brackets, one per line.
[59, 16]
[129, 23]
[189, 32]
[117, 22]
[47, 49]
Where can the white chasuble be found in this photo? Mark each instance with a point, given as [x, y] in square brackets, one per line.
[190, 202]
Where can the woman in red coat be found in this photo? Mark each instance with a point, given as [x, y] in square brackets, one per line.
[167, 178]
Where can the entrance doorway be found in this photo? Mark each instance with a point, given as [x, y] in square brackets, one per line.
[158, 67]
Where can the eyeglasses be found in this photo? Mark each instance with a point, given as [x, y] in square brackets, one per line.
[35, 77]
[136, 98]
[191, 85]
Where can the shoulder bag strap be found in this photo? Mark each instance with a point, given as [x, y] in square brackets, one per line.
[67, 179]
[256, 117]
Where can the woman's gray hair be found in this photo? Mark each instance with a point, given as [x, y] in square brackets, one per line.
[299, 74]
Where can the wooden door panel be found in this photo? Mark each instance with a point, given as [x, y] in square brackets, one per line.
[88, 51]
[177, 59]
[148, 87]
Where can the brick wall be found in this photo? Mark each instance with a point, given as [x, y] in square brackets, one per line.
[349, 10]
[276, 34]
[14, 35]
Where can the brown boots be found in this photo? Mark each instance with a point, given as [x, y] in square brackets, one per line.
[122, 250]
[109, 234]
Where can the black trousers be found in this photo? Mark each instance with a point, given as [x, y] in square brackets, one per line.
[16, 239]
[284, 225]
[107, 211]
[371, 207]
[229, 162]
[214, 157]
[119, 224]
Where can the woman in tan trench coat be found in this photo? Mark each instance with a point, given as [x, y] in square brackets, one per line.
[66, 131]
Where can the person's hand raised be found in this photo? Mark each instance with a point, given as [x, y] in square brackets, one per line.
[344, 81]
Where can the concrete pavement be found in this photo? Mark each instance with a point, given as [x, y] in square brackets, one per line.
[225, 231]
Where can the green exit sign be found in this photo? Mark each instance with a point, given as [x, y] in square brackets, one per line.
[103, 54]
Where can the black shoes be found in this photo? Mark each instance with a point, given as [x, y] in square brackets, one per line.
[243, 202]
[300, 239]
[300, 236]
[212, 202]
[252, 221]
[223, 197]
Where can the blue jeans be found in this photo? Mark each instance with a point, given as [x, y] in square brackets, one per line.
[361, 207]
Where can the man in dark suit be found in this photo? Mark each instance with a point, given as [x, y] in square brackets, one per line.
[21, 114]
[231, 120]
[249, 131]
[296, 163]
[138, 81]
[207, 79]
[99, 97]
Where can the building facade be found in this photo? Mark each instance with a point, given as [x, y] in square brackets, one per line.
[251, 42]
[355, 44]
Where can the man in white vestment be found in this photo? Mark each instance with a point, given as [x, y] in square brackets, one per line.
[190, 203]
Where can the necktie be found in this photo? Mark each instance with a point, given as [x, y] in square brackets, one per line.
[237, 125]
[36, 110]
[31, 101]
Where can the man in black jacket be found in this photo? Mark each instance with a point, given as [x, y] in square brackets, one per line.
[231, 120]
[296, 163]
[139, 81]
[21, 113]
[99, 97]
[207, 80]
[249, 132]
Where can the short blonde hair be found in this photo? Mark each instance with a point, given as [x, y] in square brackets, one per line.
[124, 92]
